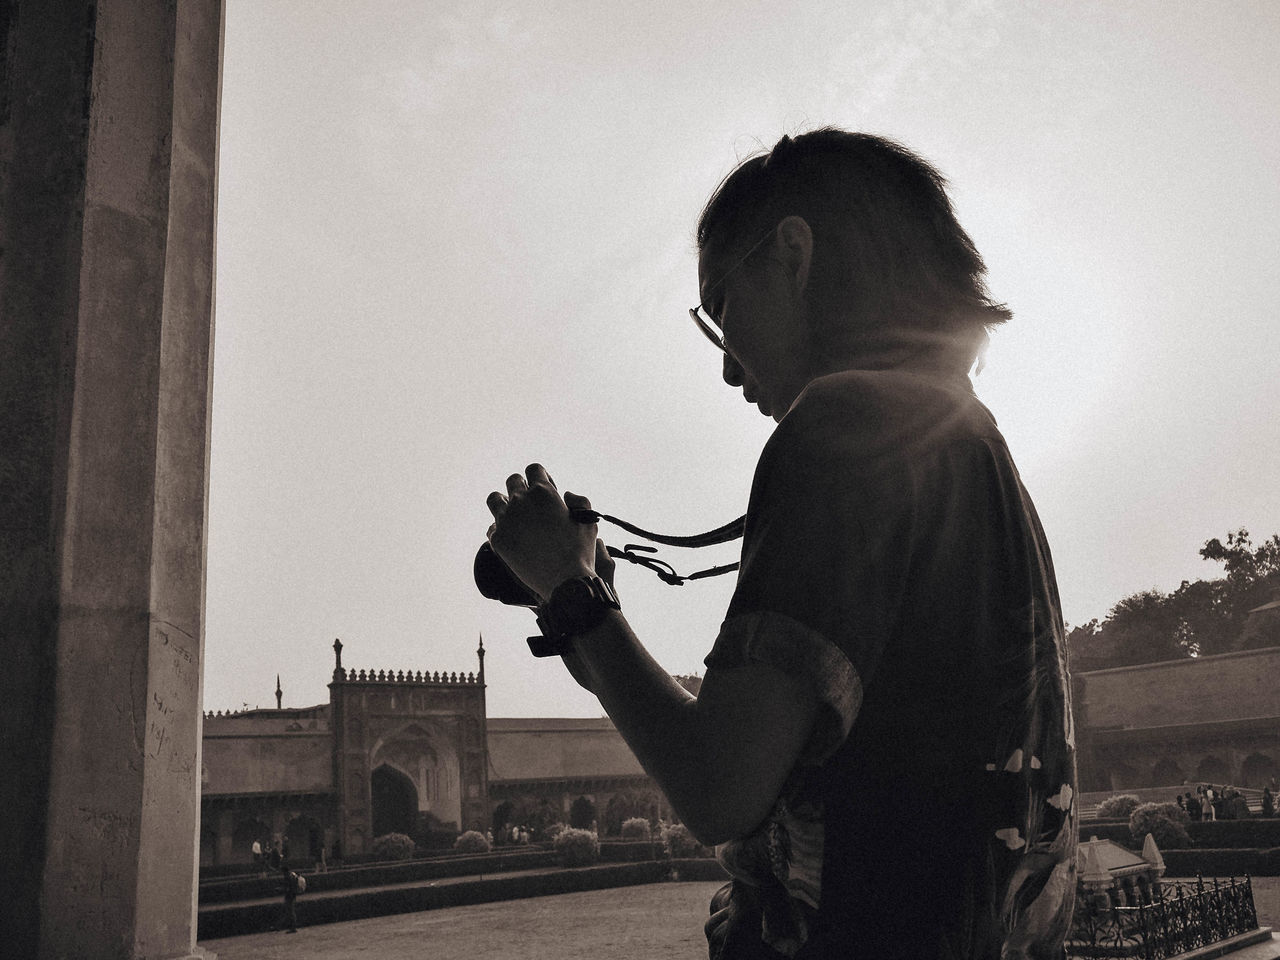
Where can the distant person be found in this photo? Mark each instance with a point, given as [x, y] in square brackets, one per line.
[257, 854]
[883, 739]
[1268, 802]
[1182, 804]
[1206, 804]
[275, 855]
[292, 883]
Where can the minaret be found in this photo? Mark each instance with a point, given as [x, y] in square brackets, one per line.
[279, 692]
[480, 654]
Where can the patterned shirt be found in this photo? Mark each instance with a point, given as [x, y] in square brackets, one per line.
[893, 561]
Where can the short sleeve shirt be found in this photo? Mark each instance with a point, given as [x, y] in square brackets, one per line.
[893, 561]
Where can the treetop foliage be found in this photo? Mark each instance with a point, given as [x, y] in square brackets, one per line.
[1199, 618]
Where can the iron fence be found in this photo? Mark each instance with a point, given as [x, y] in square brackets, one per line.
[1183, 917]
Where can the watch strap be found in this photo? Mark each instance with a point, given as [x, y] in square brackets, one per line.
[574, 607]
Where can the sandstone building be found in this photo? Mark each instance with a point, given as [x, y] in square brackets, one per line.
[416, 753]
[405, 752]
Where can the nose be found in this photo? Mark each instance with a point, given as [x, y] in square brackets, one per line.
[734, 375]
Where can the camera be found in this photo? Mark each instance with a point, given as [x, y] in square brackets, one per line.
[495, 580]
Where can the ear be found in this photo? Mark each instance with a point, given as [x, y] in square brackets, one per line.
[793, 245]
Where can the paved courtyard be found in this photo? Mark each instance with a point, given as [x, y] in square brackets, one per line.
[657, 921]
[660, 921]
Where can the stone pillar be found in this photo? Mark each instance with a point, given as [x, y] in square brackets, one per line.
[108, 147]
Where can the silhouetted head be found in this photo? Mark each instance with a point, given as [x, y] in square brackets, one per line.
[890, 266]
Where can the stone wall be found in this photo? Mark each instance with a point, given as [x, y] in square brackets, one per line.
[291, 762]
[1229, 687]
[537, 748]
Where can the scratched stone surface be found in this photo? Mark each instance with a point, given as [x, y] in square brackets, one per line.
[658, 921]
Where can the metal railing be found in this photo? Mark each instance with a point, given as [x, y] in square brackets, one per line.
[1183, 917]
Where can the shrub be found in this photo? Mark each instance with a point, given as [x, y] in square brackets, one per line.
[1218, 863]
[682, 844]
[1164, 821]
[1254, 832]
[1236, 808]
[1118, 807]
[553, 830]
[636, 828]
[393, 846]
[473, 841]
[577, 848]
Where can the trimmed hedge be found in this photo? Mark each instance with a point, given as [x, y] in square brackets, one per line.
[632, 851]
[465, 865]
[1235, 833]
[576, 847]
[393, 846]
[636, 828]
[1119, 807]
[473, 841]
[1166, 822]
[1216, 834]
[1115, 832]
[681, 842]
[1229, 862]
[233, 920]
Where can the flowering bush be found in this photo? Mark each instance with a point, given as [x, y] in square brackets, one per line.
[553, 830]
[681, 843]
[1164, 821]
[577, 848]
[635, 828]
[473, 841]
[1119, 807]
[392, 846]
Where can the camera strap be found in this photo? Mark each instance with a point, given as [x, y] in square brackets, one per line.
[639, 554]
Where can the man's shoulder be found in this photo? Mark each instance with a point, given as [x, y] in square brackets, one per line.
[870, 415]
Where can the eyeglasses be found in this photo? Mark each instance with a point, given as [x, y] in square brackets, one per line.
[703, 317]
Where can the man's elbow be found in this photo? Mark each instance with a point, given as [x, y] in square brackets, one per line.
[716, 821]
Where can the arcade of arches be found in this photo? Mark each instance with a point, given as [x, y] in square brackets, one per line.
[416, 754]
[1211, 720]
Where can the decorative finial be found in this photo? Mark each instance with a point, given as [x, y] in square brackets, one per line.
[279, 692]
[480, 654]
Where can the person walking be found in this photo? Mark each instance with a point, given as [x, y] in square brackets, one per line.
[291, 882]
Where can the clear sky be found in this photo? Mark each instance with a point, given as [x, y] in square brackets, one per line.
[457, 237]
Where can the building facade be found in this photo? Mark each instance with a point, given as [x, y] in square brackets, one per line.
[405, 752]
[1204, 720]
[415, 753]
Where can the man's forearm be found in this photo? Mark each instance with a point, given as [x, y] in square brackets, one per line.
[721, 758]
[655, 715]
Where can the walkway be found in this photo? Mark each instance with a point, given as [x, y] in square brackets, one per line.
[656, 921]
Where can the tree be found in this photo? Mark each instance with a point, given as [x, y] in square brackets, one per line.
[1143, 628]
[1252, 580]
[1200, 618]
[1241, 561]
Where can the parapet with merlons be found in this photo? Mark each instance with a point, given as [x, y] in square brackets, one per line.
[420, 678]
[341, 675]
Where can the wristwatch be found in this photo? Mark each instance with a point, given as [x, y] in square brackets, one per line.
[573, 608]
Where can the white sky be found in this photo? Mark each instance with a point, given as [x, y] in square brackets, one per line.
[456, 237]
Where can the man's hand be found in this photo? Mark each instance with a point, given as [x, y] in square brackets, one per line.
[534, 535]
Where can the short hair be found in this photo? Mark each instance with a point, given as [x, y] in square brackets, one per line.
[887, 248]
